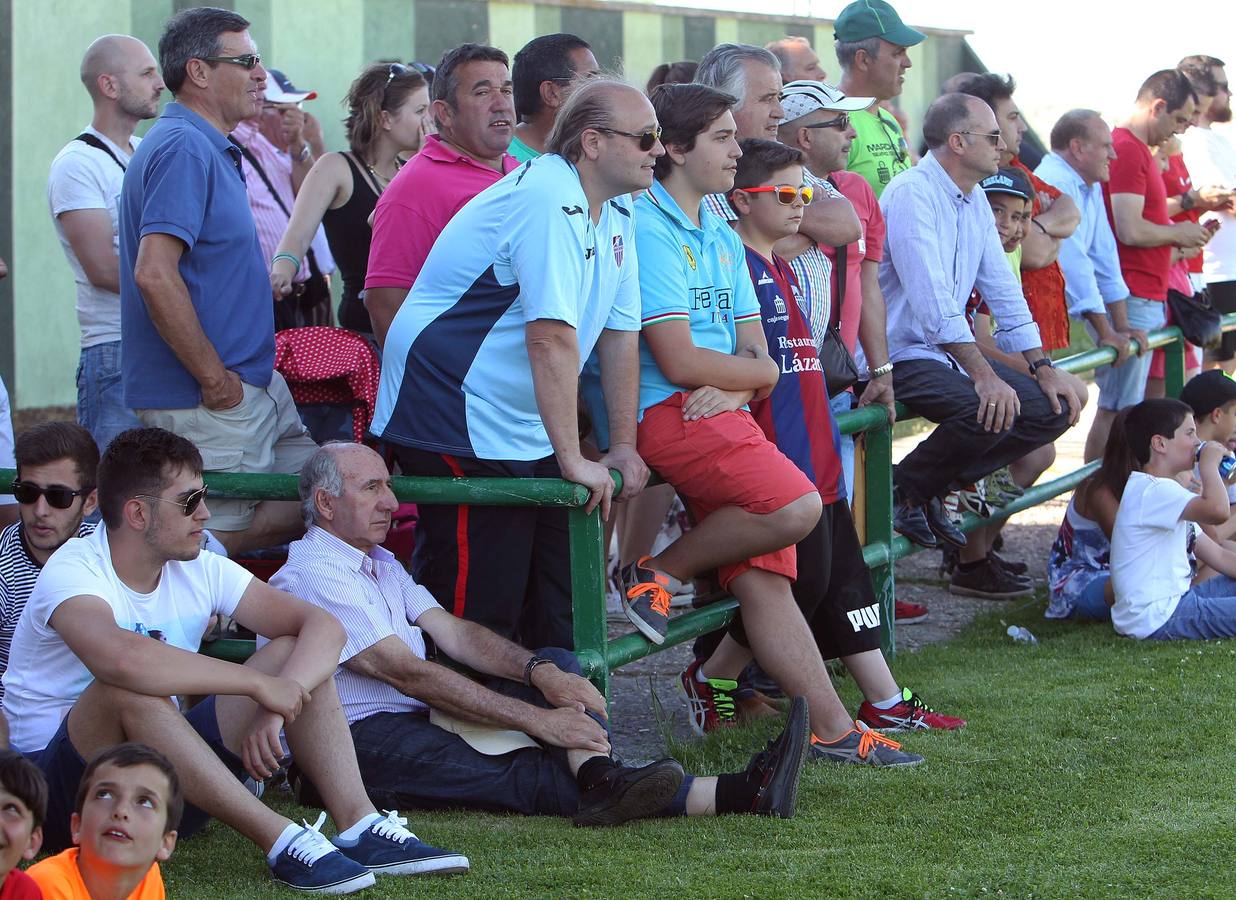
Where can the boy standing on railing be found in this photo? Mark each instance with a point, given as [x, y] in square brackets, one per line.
[833, 588]
[702, 359]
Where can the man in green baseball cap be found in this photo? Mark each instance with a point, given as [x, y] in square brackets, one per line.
[871, 48]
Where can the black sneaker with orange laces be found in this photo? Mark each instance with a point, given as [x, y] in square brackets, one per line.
[646, 600]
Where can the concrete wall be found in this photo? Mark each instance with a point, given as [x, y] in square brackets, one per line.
[320, 44]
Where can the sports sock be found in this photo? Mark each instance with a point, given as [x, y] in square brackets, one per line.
[735, 793]
[672, 584]
[594, 771]
[359, 828]
[890, 702]
[285, 837]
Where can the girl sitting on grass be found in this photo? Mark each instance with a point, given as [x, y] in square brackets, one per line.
[1156, 543]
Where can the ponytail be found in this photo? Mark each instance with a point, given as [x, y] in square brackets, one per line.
[1128, 444]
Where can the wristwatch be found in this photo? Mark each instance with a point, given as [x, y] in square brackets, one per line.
[1041, 363]
[881, 371]
[305, 153]
[1186, 201]
[532, 663]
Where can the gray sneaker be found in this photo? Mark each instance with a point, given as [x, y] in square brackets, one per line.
[863, 747]
[647, 600]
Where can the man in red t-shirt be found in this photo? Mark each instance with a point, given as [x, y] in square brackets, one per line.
[1136, 202]
[474, 110]
[1054, 215]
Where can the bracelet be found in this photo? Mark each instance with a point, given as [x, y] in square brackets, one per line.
[1040, 226]
[295, 261]
[881, 371]
[532, 663]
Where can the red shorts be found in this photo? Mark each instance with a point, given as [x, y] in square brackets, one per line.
[723, 461]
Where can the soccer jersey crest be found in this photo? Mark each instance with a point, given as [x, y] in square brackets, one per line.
[618, 250]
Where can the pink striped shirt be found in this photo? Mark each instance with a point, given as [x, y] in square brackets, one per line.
[373, 597]
[270, 219]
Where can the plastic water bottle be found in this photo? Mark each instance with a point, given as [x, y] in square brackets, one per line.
[1226, 463]
[1022, 635]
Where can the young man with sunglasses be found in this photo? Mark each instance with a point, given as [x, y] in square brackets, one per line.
[941, 244]
[110, 636]
[54, 490]
[197, 323]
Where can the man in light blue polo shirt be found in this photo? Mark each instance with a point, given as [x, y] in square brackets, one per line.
[480, 374]
[1078, 164]
[196, 325]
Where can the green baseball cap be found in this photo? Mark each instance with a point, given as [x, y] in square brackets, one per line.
[864, 19]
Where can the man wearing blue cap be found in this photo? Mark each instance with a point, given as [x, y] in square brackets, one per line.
[871, 48]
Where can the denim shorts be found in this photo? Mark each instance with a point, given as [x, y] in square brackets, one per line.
[1125, 385]
[1205, 612]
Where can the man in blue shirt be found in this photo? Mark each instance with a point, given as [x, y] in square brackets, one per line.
[1078, 164]
[942, 244]
[196, 324]
[480, 374]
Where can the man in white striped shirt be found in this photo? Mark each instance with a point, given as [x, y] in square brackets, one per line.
[387, 687]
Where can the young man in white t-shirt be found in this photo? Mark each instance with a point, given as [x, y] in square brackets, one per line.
[109, 638]
[123, 82]
[1156, 542]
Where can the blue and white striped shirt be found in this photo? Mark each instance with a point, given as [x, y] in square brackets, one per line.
[373, 597]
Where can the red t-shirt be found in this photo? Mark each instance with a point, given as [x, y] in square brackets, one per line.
[1134, 171]
[870, 246]
[18, 885]
[417, 204]
[1178, 182]
[1044, 288]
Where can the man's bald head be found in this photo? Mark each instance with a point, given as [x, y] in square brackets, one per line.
[121, 69]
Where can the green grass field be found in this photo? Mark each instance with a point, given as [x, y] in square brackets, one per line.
[1092, 766]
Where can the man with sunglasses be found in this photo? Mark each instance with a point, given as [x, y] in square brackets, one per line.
[941, 244]
[54, 490]
[197, 323]
[872, 44]
[475, 116]
[110, 636]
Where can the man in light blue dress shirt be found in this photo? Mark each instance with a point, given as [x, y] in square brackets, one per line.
[1079, 162]
[942, 244]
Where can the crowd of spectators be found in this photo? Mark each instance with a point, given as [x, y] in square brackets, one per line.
[560, 275]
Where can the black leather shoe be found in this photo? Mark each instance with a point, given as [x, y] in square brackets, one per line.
[910, 521]
[938, 521]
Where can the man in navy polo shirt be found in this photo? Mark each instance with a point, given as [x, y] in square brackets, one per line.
[196, 325]
[480, 374]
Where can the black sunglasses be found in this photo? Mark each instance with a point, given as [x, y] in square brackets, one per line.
[897, 142]
[58, 496]
[842, 121]
[188, 505]
[647, 139]
[248, 61]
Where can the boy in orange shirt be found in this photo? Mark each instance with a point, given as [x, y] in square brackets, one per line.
[127, 810]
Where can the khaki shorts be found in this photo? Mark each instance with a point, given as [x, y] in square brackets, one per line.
[262, 433]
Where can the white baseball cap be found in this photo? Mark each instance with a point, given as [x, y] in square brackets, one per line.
[802, 97]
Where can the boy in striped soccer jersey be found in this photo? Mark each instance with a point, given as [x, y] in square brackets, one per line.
[833, 588]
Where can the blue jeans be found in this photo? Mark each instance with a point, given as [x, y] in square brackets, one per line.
[843, 403]
[1207, 611]
[100, 394]
[1090, 604]
[1125, 385]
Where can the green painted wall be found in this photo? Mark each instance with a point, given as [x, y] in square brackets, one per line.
[320, 45]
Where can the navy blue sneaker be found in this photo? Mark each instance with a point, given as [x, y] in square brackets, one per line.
[313, 864]
[388, 848]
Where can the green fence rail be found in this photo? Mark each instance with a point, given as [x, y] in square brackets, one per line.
[598, 655]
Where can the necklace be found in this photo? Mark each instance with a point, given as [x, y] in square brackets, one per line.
[380, 180]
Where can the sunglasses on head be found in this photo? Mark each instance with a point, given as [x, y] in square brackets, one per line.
[647, 139]
[58, 496]
[187, 506]
[786, 193]
[248, 61]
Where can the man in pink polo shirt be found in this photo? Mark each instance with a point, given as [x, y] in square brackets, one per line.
[475, 116]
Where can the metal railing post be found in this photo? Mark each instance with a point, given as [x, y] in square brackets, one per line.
[1173, 367]
[587, 537]
[878, 516]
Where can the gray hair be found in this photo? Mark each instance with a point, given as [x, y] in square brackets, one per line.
[1074, 124]
[588, 107]
[781, 48]
[321, 473]
[193, 34]
[724, 68]
[847, 50]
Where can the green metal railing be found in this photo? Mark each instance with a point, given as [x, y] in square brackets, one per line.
[597, 654]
